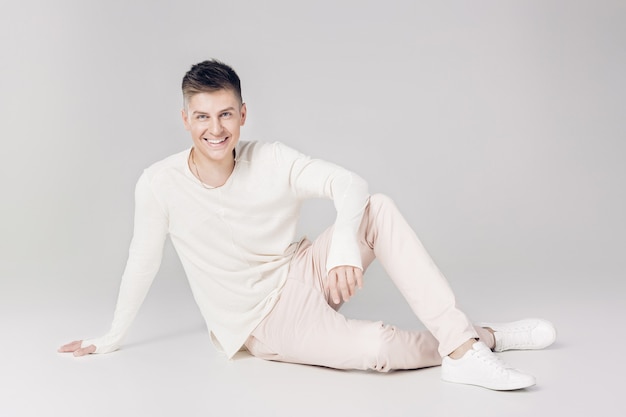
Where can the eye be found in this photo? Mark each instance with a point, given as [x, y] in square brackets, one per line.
[201, 117]
[226, 114]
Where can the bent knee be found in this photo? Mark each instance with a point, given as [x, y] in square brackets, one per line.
[378, 201]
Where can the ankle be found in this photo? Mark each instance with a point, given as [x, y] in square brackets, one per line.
[491, 345]
[459, 352]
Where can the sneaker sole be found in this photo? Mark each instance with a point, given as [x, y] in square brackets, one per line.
[494, 387]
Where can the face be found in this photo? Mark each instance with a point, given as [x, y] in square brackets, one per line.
[214, 120]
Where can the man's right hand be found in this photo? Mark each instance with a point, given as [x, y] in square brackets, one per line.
[76, 349]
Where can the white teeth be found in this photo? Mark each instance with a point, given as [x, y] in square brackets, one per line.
[215, 141]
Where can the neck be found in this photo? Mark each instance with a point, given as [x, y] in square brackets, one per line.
[211, 173]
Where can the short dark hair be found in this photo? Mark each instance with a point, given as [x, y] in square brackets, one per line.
[209, 76]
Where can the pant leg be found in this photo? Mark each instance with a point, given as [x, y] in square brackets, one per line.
[385, 235]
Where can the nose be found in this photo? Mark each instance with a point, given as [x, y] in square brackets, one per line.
[216, 128]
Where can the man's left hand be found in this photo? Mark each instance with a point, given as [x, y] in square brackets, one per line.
[343, 282]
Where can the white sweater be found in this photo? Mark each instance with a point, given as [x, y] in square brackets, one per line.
[235, 242]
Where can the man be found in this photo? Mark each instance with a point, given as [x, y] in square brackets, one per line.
[231, 209]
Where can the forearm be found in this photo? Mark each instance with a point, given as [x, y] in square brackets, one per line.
[349, 193]
[144, 259]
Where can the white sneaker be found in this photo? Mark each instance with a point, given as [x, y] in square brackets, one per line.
[480, 366]
[522, 334]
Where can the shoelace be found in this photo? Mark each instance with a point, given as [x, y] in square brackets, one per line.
[494, 362]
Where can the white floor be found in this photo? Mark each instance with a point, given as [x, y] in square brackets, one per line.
[168, 366]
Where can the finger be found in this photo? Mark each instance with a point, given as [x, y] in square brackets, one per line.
[332, 287]
[70, 347]
[358, 273]
[85, 351]
[351, 281]
[342, 281]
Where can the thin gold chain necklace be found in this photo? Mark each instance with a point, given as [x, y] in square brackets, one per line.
[193, 161]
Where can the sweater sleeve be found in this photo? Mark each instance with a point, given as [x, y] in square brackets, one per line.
[144, 260]
[310, 178]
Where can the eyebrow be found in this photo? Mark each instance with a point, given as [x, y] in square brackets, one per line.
[231, 108]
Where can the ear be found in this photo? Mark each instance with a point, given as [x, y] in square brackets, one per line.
[244, 112]
[185, 117]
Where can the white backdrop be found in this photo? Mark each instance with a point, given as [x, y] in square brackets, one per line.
[497, 126]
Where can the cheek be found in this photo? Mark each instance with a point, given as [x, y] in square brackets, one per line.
[197, 130]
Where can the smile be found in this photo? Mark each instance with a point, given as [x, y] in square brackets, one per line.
[215, 141]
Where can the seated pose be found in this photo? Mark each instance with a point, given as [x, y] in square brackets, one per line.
[231, 207]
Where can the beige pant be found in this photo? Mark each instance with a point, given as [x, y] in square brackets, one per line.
[304, 326]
